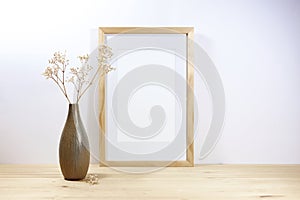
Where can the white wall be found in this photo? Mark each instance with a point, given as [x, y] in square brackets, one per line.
[254, 44]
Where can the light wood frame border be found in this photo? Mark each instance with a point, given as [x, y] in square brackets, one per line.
[189, 162]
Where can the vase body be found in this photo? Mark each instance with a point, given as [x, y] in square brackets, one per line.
[74, 154]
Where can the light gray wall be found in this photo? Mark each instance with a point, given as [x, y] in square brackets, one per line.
[255, 46]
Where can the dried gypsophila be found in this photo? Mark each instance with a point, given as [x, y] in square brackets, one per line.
[105, 53]
[79, 75]
[92, 179]
[56, 71]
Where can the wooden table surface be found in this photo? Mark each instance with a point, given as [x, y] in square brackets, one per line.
[210, 182]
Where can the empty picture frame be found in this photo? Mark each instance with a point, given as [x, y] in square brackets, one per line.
[119, 149]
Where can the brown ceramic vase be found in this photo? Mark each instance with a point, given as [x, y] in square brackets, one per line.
[74, 154]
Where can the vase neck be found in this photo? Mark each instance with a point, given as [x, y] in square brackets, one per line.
[74, 108]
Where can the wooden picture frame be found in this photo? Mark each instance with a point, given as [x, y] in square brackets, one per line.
[189, 32]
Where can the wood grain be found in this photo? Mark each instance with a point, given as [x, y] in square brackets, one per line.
[190, 98]
[146, 30]
[102, 106]
[218, 182]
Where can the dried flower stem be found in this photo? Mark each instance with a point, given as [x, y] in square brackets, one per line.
[64, 91]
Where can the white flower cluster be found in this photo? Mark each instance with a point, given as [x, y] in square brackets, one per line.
[79, 75]
[92, 179]
[105, 53]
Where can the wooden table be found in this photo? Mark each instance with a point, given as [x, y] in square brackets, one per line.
[210, 182]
